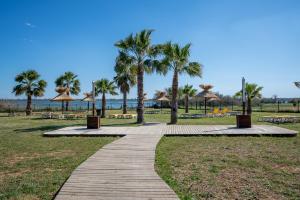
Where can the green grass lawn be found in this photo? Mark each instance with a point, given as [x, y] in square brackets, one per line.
[34, 167]
[231, 167]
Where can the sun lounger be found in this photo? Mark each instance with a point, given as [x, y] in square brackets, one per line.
[122, 116]
[280, 119]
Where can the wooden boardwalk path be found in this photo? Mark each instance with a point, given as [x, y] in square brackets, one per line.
[124, 169]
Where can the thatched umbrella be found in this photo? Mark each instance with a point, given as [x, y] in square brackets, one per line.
[206, 94]
[88, 98]
[62, 96]
[162, 98]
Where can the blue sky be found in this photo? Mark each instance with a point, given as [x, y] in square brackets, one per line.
[258, 39]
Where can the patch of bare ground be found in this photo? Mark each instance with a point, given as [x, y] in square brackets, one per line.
[17, 158]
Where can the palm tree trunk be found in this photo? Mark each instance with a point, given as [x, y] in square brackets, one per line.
[28, 107]
[249, 107]
[67, 105]
[67, 102]
[62, 107]
[174, 103]
[186, 103]
[124, 102]
[140, 88]
[103, 106]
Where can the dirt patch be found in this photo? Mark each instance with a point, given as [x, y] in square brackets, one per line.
[17, 158]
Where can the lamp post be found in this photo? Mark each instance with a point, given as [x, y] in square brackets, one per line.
[93, 122]
[93, 92]
[244, 96]
[243, 121]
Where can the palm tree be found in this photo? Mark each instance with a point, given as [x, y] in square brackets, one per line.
[137, 52]
[124, 79]
[168, 91]
[176, 58]
[188, 92]
[28, 83]
[104, 86]
[252, 91]
[70, 81]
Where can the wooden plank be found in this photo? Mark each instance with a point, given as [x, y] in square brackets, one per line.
[121, 170]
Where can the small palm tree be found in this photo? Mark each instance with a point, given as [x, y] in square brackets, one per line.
[104, 86]
[28, 83]
[176, 58]
[70, 81]
[140, 55]
[188, 92]
[252, 91]
[168, 91]
[125, 79]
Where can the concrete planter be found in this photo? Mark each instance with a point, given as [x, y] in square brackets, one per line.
[243, 121]
[93, 122]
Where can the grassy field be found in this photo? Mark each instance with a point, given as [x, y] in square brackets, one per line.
[34, 167]
[231, 167]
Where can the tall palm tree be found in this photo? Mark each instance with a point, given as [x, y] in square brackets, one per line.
[28, 83]
[70, 81]
[176, 58]
[252, 91]
[125, 79]
[138, 52]
[104, 86]
[188, 92]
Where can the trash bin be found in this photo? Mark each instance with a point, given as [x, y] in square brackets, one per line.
[98, 112]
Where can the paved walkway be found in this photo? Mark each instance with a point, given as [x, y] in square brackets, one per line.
[124, 169]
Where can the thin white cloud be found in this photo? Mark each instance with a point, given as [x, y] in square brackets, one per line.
[30, 25]
[28, 40]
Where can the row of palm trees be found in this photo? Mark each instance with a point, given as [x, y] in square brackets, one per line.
[140, 56]
[30, 84]
[137, 56]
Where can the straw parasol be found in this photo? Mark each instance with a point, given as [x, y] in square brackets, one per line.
[161, 98]
[88, 98]
[206, 94]
[62, 96]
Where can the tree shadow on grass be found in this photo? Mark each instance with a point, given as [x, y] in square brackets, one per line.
[43, 128]
[56, 127]
[121, 124]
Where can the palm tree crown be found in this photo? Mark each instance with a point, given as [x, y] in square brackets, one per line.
[69, 80]
[252, 91]
[188, 92]
[30, 85]
[104, 86]
[138, 53]
[125, 79]
[176, 58]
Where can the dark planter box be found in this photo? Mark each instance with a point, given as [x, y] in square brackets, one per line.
[93, 122]
[243, 121]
